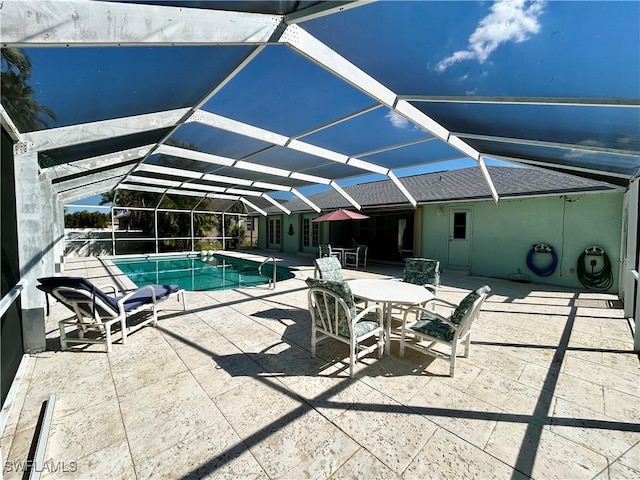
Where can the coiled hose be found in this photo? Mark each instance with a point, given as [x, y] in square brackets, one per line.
[542, 271]
[601, 279]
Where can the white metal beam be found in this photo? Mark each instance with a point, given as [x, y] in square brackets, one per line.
[276, 204]
[255, 207]
[78, 22]
[106, 129]
[215, 159]
[83, 180]
[548, 101]
[8, 124]
[230, 125]
[540, 143]
[306, 44]
[573, 168]
[89, 190]
[402, 188]
[195, 108]
[305, 200]
[194, 155]
[94, 163]
[323, 9]
[349, 198]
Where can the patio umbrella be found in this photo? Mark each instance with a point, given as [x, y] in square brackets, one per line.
[340, 214]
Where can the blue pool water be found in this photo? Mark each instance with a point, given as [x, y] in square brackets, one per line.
[193, 273]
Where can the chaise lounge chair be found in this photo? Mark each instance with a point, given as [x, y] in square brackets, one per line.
[95, 310]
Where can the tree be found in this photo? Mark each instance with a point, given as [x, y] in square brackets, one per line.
[17, 96]
[85, 219]
[170, 224]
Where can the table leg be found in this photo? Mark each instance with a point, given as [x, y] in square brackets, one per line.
[387, 335]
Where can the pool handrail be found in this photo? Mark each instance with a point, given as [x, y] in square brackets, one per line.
[270, 257]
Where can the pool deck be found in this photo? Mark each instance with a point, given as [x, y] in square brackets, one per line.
[228, 389]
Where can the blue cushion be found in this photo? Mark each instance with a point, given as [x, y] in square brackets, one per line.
[47, 284]
[143, 297]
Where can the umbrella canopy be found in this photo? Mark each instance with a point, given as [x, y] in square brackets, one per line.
[340, 214]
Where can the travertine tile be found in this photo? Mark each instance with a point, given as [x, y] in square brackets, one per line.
[112, 462]
[540, 453]
[565, 386]
[585, 427]
[215, 452]
[140, 364]
[364, 465]
[184, 330]
[622, 406]
[513, 397]
[228, 389]
[463, 415]
[490, 358]
[79, 434]
[387, 429]
[631, 458]
[618, 471]
[164, 413]
[447, 456]
[603, 375]
[329, 392]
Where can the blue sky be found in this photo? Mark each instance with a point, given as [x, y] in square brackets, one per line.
[504, 48]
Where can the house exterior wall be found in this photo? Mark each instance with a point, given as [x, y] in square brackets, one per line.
[503, 234]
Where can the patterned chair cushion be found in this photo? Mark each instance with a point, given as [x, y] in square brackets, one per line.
[329, 268]
[365, 326]
[422, 271]
[343, 290]
[434, 328]
[465, 304]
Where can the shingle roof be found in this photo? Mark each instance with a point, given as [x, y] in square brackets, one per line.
[455, 185]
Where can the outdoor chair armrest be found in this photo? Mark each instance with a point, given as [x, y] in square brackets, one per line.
[124, 299]
[431, 288]
[366, 311]
[418, 309]
[110, 286]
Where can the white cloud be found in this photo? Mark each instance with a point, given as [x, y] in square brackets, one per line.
[397, 120]
[577, 153]
[509, 21]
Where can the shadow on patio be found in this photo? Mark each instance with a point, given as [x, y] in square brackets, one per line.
[228, 389]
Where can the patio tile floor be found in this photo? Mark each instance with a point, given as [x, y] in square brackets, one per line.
[228, 389]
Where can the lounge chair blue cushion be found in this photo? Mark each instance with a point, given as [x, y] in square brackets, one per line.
[143, 297]
[47, 284]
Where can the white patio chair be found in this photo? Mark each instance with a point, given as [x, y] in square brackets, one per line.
[431, 329]
[333, 315]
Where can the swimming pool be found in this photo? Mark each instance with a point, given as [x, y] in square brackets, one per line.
[194, 273]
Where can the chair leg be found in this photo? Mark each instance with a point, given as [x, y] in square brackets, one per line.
[452, 367]
[108, 338]
[63, 336]
[313, 342]
[352, 357]
[123, 329]
[380, 345]
[467, 346]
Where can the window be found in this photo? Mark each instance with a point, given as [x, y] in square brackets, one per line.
[274, 232]
[305, 232]
[315, 235]
[460, 225]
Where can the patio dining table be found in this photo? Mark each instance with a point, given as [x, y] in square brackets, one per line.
[389, 293]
